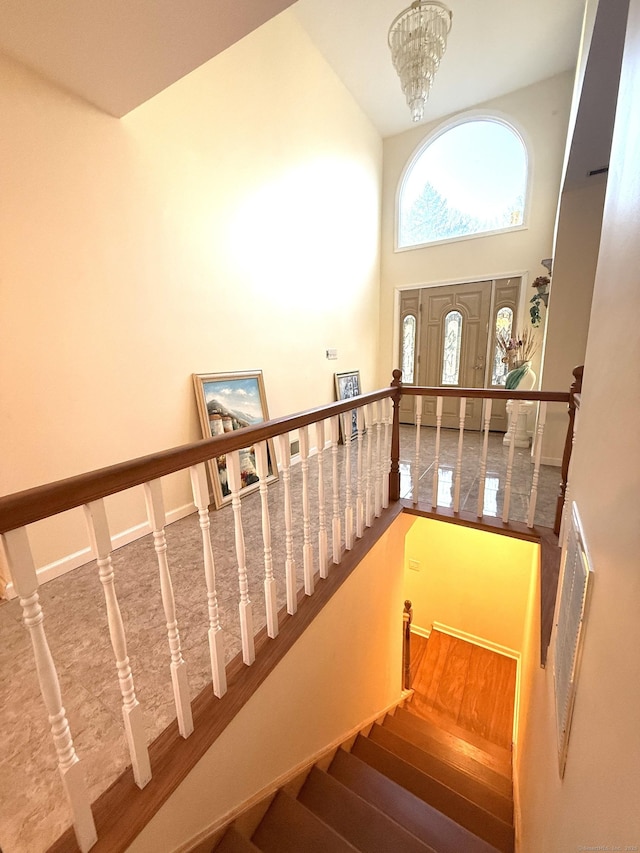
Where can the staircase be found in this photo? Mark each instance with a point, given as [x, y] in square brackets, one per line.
[412, 784]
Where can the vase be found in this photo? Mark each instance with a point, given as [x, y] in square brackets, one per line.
[521, 377]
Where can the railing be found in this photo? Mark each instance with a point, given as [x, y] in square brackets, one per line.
[351, 485]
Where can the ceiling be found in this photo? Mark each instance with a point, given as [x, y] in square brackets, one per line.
[117, 54]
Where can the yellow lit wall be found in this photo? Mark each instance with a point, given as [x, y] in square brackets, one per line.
[476, 582]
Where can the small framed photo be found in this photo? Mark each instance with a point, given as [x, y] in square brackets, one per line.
[226, 402]
[348, 385]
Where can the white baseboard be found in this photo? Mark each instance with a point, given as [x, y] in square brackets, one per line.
[421, 632]
[287, 777]
[477, 641]
[551, 460]
[80, 558]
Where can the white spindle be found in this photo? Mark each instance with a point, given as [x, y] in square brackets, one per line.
[512, 444]
[25, 582]
[336, 532]
[270, 593]
[178, 667]
[348, 501]
[100, 537]
[307, 548]
[284, 452]
[369, 505]
[458, 478]
[387, 451]
[483, 459]
[416, 465]
[216, 639]
[567, 497]
[533, 497]
[244, 606]
[436, 463]
[360, 476]
[323, 545]
[378, 466]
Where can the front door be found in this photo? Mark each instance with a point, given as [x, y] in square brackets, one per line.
[447, 340]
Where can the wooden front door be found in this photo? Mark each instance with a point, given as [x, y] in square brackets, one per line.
[454, 346]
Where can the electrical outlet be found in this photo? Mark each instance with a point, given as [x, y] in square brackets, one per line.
[414, 565]
[332, 354]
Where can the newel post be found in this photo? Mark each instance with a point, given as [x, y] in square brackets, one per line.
[394, 473]
[576, 388]
[407, 616]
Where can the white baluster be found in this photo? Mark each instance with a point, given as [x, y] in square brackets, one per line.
[178, 667]
[215, 636]
[378, 465]
[270, 592]
[284, 452]
[512, 443]
[416, 466]
[307, 548]
[436, 463]
[533, 497]
[483, 460]
[25, 582]
[458, 479]
[336, 531]
[323, 545]
[386, 403]
[348, 508]
[369, 506]
[566, 511]
[131, 711]
[244, 606]
[360, 476]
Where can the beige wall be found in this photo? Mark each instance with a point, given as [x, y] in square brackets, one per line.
[567, 324]
[230, 223]
[597, 801]
[541, 113]
[346, 668]
[475, 582]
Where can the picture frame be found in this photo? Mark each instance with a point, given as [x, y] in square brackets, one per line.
[348, 385]
[226, 402]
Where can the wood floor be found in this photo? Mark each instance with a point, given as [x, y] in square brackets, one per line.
[460, 685]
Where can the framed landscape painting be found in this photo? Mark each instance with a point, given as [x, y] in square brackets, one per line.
[227, 402]
[348, 385]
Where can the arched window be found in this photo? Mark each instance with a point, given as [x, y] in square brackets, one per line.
[504, 327]
[408, 347]
[451, 348]
[469, 179]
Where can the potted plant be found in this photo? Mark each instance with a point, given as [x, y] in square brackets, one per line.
[541, 285]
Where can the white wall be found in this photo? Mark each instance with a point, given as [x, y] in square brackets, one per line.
[541, 113]
[346, 668]
[597, 802]
[230, 223]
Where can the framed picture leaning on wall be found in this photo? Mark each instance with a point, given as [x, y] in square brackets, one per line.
[348, 385]
[227, 402]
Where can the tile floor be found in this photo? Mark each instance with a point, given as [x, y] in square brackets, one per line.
[34, 811]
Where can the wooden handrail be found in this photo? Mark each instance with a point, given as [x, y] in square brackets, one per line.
[486, 393]
[574, 404]
[40, 502]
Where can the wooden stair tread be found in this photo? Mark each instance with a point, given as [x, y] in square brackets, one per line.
[289, 827]
[233, 842]
[476, 792]
[450, 749]
[357, 820]
[419, 818]
[472, 816]
[442, 723]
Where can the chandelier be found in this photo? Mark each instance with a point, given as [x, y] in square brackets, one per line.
[418, 40]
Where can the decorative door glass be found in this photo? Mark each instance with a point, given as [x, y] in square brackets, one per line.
[451, 348]
[504, 326]
[408, 348]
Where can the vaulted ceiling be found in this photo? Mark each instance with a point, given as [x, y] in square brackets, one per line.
[117, 54]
